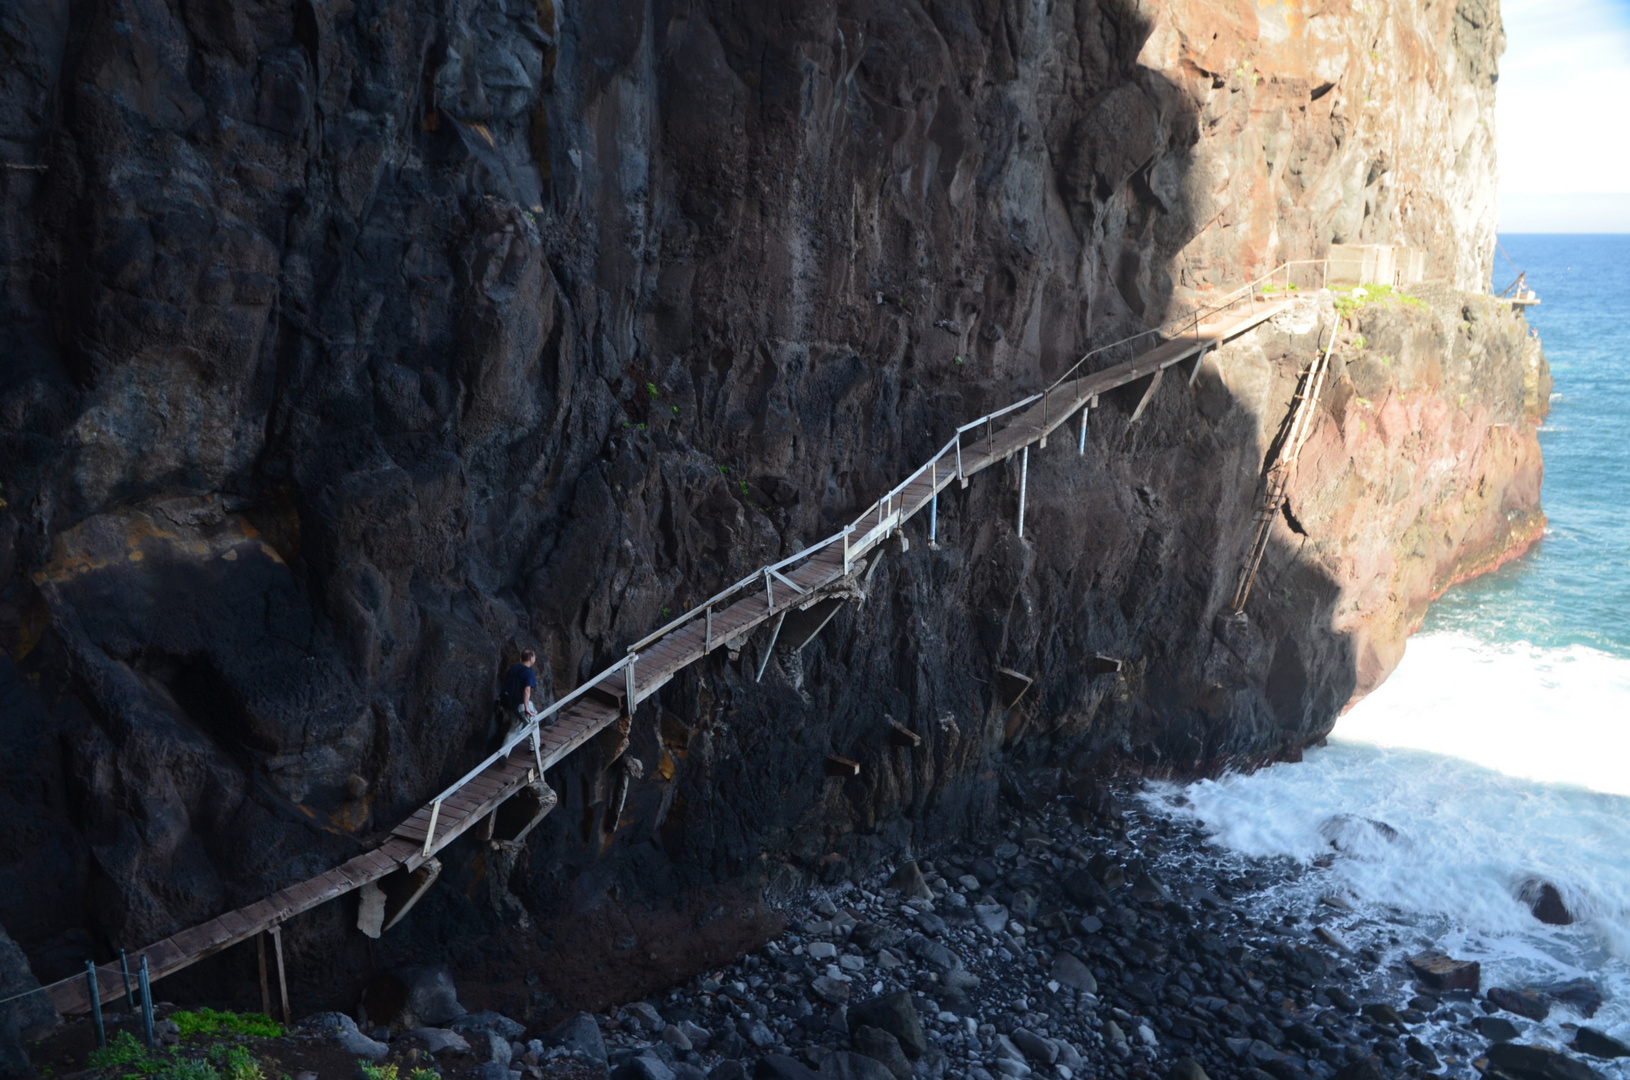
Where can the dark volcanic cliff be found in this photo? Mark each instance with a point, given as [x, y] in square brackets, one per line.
[349, 346]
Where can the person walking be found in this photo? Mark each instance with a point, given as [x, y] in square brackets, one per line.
[516, 692]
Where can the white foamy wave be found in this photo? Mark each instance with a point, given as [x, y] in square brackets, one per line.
[1558, 715]
[1475, 770]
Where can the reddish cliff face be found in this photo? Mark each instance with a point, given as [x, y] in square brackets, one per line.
[350, 347]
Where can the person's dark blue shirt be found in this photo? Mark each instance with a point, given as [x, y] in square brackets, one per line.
[516, 681]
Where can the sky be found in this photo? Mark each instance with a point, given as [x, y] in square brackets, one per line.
[1560, 116]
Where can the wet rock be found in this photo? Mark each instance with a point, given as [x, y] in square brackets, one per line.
[644, 1016]
[1441, 972]
[491, 1070]
[1383, 1014]
[1495, 1028]
[1365, 1068]
[1186, 1068]
[581, 1035]
[1352, 835]
[1421, 1053]
[1523, 1062]
[1545, 901]
[731, 1069]
[896, 1014]
[1580, 995]
[883, 1047]
[908, 879]
[1525, 1003]
[1599, 1044]
[758, 1033]
[676, 1038]
[821, 950]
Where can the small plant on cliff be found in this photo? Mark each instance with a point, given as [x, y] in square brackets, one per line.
[1359, 342]
[424, 1074]
[190, 1069]
[214, 1022]
[123, 1052]
[372, 1071]
[237, 1063]
[651, 388]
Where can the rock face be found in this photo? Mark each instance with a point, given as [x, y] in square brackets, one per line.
[351, 347]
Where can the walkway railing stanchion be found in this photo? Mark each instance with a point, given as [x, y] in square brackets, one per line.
[1024, 474]
[1080, 451]
[934, 501]
[960, 478]
[707, 635]
[95, 994]
[430, 830]
[124, 966]
[769, 595]
[628, 681]
[147, 1005]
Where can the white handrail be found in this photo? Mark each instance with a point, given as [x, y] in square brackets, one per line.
[881, 509]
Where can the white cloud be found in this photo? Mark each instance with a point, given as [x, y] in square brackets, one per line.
[1564, 84]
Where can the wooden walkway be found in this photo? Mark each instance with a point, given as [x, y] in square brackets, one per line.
[767, 594]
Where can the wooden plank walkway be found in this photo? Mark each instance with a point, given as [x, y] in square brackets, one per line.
[458, 810]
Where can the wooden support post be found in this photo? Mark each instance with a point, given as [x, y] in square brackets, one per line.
[265, 989]
[1024, 475]
[1148, 394]
[282, 977]
[841, 766]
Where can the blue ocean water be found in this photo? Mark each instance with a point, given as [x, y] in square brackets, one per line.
[1499, 750]
[1575, 589]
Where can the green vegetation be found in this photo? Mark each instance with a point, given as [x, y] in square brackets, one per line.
[237, 1063]
[651, 388]
[1348, 303]
[424, 1074]
[374, 1071]
[190, 1069]
[122, 1051]
[214, 1022]
[1278, 288]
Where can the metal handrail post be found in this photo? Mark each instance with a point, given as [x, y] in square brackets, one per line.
[430, 830]
[707, 637]
[628, 682]
[769, 594]
[95, 994]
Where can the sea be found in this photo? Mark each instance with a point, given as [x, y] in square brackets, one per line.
[1498, 754]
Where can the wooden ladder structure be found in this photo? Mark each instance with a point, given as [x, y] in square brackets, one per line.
[404, 865]
[1277, 481]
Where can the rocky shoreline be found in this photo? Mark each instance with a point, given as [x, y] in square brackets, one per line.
[1103, 941]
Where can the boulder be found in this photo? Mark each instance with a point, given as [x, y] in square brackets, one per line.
[1545, 901]
[1522, 1002]
[27, 1015]
[993, 917]
[1036, 1049]
[781, 1067]
[847, 1065]
[896, 1014]
[581, 1035]
[1599, 1044]
[487, 1020]
[908, 879]
[1069, 971]
[1186, 1068]
[1520, 1061]
[645, 1066]
[432, 1000]
[498, 1048]
[932, 953]
[343, 1030]
[438, 1040]
[728, 1069]
[881, 1046]
[1441, 972]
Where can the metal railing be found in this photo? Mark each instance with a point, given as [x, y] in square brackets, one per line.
[874, 525]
